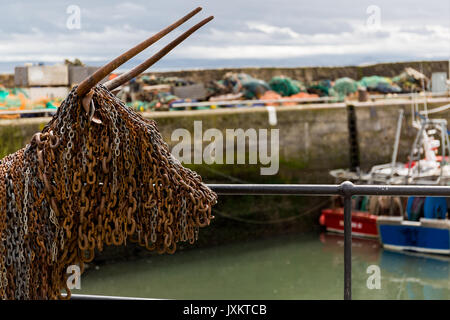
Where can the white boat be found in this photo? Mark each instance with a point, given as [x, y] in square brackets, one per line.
[425, 225]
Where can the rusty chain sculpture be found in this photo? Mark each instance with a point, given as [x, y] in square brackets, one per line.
[80, 185]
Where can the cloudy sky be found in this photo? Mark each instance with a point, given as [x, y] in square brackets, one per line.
[243, 33]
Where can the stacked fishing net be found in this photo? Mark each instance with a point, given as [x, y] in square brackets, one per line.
[344, 87]
[80, 185]
[286, 86]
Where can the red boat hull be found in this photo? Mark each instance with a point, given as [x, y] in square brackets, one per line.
[364, 224]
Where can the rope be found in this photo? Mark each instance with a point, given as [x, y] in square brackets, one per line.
[231, 178]
[435, 110]
[275, 221]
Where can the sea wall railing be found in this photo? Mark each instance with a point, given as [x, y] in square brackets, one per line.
[374, 101]
[378, 98]
[345, 190]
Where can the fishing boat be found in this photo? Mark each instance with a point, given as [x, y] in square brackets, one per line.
[425, 235]
[426, 226]
[423, 225]
[365, 212]
[364, 224]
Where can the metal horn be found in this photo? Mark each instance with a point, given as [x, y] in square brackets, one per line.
[114, 83]
[88, 83]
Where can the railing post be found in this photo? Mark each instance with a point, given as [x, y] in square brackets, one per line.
[347, 189]
[348, 247]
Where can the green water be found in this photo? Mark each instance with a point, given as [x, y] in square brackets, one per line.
[290, 267]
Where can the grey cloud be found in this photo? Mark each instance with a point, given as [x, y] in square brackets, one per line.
[109, 20]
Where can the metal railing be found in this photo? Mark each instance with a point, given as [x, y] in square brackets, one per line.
[400, 98]
[250, 102]
[321, 101]
[345, 189]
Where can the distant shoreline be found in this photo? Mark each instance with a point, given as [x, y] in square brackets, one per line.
[304, 73]
[184, 65]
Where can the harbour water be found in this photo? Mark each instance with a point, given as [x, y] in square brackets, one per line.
[306, 266]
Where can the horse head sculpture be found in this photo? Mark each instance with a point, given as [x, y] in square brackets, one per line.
[97, 175]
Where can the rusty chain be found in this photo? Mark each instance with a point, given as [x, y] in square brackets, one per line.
[79, 186]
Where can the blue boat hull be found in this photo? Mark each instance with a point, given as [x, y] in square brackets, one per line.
[426, 235]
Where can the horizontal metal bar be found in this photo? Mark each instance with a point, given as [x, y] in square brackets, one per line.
[318, 99]
[345, 188]
[274, 189]
[409, 95]
[398, 102]
[382, 102]
[248, 102]
[389, 190]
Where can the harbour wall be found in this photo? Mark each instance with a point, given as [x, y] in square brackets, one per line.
[313, 139]
[313, 73]
[299, 73]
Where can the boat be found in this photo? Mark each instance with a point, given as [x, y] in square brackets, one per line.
[364, 224]
[365, 213]
[425, 235]
[426, 227]
[419, 224]
[424, 167]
